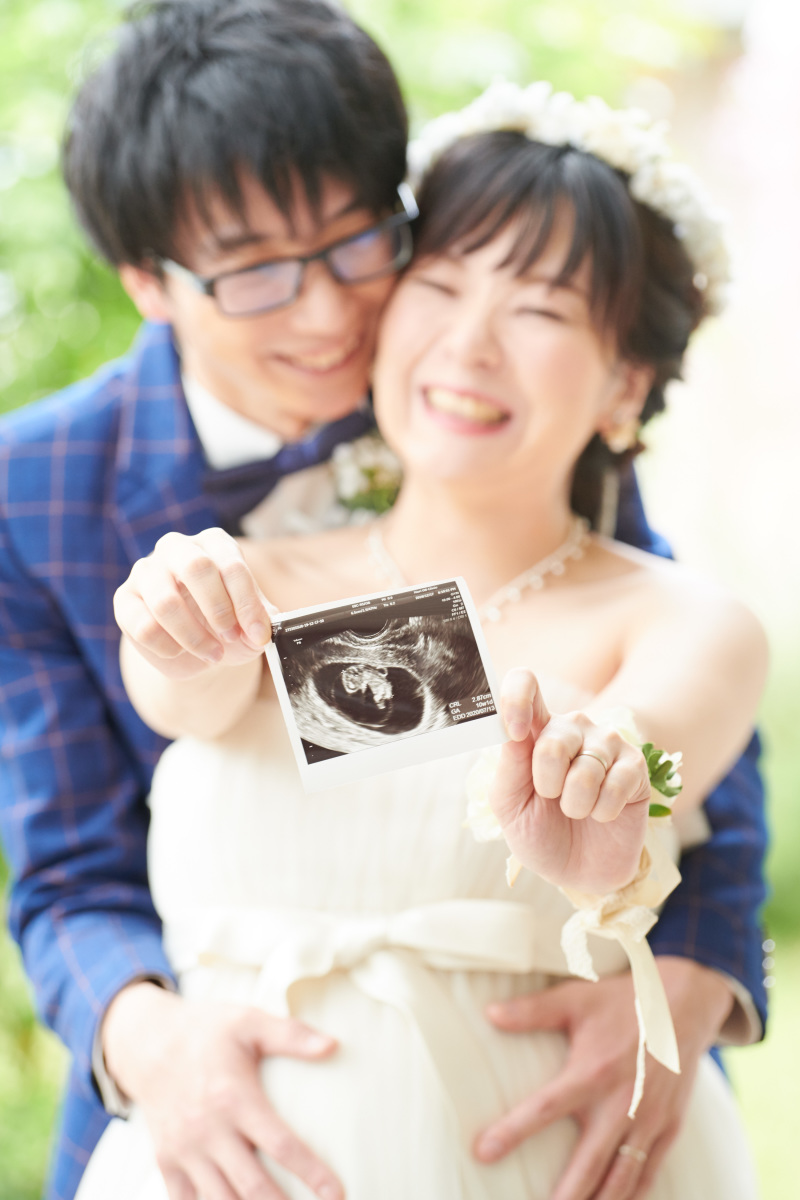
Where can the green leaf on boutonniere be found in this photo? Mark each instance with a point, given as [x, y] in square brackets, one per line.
[378, 500]
[659, 810]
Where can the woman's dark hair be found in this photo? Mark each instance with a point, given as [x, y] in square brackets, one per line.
[642, 280]
[199, 91]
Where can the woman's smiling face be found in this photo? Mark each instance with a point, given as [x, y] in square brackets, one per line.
[486, 373]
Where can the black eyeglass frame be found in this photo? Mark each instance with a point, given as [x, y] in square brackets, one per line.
[207, 284]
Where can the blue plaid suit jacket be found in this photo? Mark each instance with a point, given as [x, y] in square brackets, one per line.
[89, 480]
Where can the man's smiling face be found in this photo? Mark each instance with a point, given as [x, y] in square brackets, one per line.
[293, 367]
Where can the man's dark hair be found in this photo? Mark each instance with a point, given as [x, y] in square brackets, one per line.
[642, 279]
[199, 91]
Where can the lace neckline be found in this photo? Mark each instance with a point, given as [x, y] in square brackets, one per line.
[572, 548]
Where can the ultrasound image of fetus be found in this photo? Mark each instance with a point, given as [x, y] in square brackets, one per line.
[351, 690]
[390, 699]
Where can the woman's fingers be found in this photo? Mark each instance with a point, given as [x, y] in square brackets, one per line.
[166, 611]
[140, 626]
[193, 595]
[555, 749]
[521, 705]
[627, 782]
[589, 770]
[243, 605]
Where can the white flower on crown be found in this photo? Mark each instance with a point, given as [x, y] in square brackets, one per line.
[626, 139]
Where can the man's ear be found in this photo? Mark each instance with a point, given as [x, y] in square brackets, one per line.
[626, 397]
[146, 290]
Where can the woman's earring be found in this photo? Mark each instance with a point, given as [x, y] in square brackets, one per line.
[623, 436]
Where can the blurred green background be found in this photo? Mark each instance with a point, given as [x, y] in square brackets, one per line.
[62, 313]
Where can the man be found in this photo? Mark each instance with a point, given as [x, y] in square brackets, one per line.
[223, 135]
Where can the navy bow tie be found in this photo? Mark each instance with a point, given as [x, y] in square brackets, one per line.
[236, 491]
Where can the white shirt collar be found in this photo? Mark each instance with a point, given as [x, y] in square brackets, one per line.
[228, 439]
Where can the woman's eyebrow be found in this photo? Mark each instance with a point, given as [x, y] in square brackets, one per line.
[552, 284]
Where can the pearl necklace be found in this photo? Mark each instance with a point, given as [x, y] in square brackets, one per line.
[573, 547]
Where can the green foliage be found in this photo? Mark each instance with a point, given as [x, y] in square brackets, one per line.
[377, 500]
[780, 722]
[32, 1066]
[61, 311]
[662, 767]
[448, 50]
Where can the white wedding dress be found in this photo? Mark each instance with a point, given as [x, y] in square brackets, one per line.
[372, 914]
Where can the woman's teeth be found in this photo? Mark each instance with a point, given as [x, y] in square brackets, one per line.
[468, 407]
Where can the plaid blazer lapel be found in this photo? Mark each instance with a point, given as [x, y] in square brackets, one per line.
[159, 462]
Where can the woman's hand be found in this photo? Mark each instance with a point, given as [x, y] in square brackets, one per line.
[572, 798]
[193, 603]
[193, 1070]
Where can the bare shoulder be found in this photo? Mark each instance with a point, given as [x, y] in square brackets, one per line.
[664, 591]
[295, 572]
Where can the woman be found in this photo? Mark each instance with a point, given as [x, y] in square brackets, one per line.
[539, 322]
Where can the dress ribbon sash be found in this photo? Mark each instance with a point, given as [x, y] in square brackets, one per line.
[389, 958]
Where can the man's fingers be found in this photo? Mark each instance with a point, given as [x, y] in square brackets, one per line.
[655, 1158]
[557, 1099]
[209, 1181]
[178, 1185]
[244, 1172]
[601, 1134]
[521, 705]
[538, 1010]
[282, 1036]
[265, 1129]
[624, 1172]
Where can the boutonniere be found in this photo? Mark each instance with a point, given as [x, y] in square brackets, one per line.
[367, 474]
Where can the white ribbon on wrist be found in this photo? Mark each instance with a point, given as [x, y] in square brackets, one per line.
[627, 916]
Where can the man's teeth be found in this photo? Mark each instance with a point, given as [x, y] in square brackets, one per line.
[468, 407]
[328, 360]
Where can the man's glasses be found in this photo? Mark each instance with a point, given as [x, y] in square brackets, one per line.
[371, 254]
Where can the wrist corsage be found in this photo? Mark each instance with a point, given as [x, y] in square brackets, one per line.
[625, 916]
[662, 768]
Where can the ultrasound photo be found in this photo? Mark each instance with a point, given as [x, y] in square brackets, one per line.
[383, 681]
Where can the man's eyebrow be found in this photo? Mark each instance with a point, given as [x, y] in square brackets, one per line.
[237, 238]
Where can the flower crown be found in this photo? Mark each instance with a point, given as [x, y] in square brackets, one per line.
[626, 139]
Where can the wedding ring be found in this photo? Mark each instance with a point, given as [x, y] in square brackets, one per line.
[591, 754]
[632, 1152]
